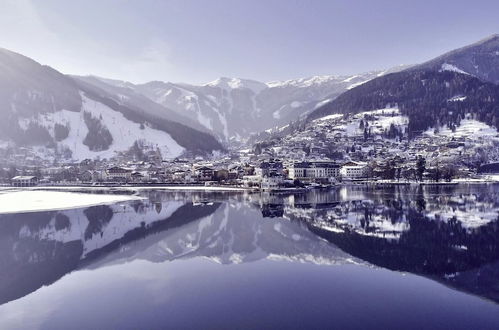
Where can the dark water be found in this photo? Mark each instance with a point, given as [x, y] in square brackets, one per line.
[353, 257]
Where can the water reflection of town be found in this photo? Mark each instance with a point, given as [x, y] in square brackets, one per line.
[448, 233]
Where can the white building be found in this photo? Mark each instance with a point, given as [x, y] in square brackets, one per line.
[352, 171]
[269, 183]
[24, 181]
[318, 170]
[118, 173]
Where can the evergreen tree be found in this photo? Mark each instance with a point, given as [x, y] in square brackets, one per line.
[420, 167]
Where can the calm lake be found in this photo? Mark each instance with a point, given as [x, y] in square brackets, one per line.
[396, 257]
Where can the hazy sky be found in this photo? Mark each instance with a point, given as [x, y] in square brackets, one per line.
[199, 40]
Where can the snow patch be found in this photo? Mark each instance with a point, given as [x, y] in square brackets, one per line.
[458, 98]
[450, 67]
[303, 82]
[321, 103]
[123, 131]
[38, 200]
[469, 128]
[357, 84]
[330, 117]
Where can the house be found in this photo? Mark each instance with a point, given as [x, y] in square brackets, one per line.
[137, 177]
[352, 171]
[313, 171]
[117, 173]
[204, 173]
[269, 168]
[271, 182]
[182, 176]
[24, 181]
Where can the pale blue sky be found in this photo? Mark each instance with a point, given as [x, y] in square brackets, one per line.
[200, 40]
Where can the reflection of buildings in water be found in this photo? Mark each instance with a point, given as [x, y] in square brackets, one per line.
[445, 251]
[316, 199]
[386, 228]
[447, 233]
[383, 210]
[272, 210]
[352, 192]
[168, 227]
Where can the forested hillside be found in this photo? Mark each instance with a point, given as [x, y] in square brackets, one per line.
[428, 98]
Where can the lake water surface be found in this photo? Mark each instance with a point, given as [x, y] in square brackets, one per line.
[351, 257]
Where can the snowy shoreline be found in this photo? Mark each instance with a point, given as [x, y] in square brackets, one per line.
[28, 201]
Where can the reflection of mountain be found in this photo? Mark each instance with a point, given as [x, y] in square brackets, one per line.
[51, 244]
[166, 226]
[233, 234]
[450, 234]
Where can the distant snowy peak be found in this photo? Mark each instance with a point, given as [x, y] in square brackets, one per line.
[234, 108]
[314, 81]
[322, 80]
[237, 83]
[304, 82]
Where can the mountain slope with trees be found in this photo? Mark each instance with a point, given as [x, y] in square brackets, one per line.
[41, 107]
[428, 98]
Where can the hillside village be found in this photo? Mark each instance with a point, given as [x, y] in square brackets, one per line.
[369, 146]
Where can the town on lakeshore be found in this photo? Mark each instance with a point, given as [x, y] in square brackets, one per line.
[338, 149]
[247, 169]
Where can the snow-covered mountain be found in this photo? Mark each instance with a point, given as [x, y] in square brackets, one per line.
[167, 226]
[427, 93]
[58, 116]
[233, 108]
[233, 234]
[480, 59]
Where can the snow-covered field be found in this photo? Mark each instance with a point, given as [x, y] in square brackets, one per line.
[38, 200]
[383, 119]
[123, 131]
[469, 128]
[329, 117]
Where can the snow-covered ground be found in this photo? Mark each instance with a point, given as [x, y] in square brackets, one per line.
[470, 128]
[123, 131]
[450, 67]
[329, 117]
[383, 119]
[38, 200]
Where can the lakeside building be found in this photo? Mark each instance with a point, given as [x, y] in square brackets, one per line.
[271, 167]
[314, 171]
[118, 173]
[353, 171]
[271, 182]
[24, 181]
[204, 173]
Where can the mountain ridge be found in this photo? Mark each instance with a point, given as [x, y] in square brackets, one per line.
[235, 108]
[422, 91]
[49, 113]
